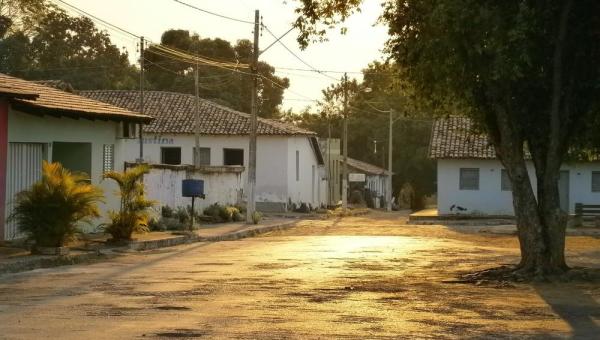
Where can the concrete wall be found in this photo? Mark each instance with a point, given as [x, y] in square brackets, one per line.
[490, 199]
[306, 187]
[276, 173]
[26, 128]
[164, 186]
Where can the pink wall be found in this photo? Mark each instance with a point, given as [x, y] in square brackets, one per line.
[3, 156]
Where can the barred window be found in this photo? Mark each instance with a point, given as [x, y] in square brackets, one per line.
[204, 156]
[595, 181]
[505, 181]
[108, 158]
[469, 179]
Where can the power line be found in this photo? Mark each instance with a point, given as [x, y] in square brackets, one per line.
[76, 9]
[213, 13]
[297, 57]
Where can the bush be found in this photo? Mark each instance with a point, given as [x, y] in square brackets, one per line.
[133, 215]
[166, 211]
[238, 216]
[213, 210]
[226, 213]
[256, 217]
[50, 210]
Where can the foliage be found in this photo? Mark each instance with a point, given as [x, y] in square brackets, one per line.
[133, 214]
[256, 217]
[368, 128]
[223, 86]
[525, 71]
[50, 211]
[65, 48]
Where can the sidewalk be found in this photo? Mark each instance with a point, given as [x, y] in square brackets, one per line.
[14, 260]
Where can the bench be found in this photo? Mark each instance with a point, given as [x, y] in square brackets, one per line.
[586, 210]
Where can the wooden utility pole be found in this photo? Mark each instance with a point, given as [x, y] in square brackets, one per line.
[197, 120]
[251, 205]
[141, 126]
[345, 167]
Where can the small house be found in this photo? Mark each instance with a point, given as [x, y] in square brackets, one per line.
[290, 165]
[471, 180]
[39, 123]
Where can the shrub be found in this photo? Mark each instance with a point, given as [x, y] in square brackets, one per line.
[237, 215]
[213, 210]
[166, 211]
[256, 217]
[226, 213]
[133, 214]
[50, 210]
[182, 215]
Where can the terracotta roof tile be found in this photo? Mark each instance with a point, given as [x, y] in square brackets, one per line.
[454, 137]
[36, 98]
[175, 113]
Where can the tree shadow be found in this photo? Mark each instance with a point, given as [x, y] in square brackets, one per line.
[575, 306]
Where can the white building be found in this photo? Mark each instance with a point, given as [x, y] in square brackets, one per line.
[42, 123]
[470, 180]
[289, 160]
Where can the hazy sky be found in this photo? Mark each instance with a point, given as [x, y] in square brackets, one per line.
[351, 52]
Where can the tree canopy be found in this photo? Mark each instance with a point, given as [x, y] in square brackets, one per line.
[225, 86]
[380, 90]
[525, 71]
[55, 45]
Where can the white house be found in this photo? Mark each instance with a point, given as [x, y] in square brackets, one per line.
[289, 160]
[470, 179]
[42, 123]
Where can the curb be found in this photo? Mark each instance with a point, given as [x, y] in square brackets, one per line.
[28, 263]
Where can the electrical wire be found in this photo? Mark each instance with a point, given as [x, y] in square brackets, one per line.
[213, 13]
[296, 56]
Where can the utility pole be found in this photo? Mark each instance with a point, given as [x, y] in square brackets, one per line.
[388, 192]
[197, 120]
[345, 167]
[251, 205]
[141, 126]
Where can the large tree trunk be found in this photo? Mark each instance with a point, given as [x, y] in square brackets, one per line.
[540, 222]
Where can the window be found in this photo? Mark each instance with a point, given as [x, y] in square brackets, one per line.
[505, 181]
[297, 165]
[204, 156]
[170, 155]
[595, 181]
[469, 179]
[233, 156]
[108, 158]
[127, 130]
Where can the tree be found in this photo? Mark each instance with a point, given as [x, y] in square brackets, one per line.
[61, 47]
[50, 211]
[381, 89]
[225, 86]
[133, 213]
[525, 71]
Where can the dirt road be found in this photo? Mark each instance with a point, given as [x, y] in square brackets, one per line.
[362, 277]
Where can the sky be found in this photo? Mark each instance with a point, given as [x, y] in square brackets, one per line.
[351, 52]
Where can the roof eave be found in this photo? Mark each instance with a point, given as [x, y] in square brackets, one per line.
[76, 114]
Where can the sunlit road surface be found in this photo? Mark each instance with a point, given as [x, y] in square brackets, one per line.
[363, 278]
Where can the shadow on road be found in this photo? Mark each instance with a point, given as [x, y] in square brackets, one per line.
[575, 306]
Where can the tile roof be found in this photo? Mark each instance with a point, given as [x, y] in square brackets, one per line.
[175, 113]
[366, 167]
[35, 98]
[454, 137]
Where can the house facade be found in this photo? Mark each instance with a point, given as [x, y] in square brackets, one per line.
[471, 180]
[370, 177]
[290, 165]
[42, 123]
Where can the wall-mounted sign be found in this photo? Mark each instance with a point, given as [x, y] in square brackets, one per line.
[356, 177]
[158, 140]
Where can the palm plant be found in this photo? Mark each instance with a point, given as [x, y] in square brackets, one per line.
[133, 214]
[49, 212]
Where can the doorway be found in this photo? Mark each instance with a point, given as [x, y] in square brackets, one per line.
[77, 157]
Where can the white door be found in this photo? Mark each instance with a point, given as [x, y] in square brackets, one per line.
[24, 167]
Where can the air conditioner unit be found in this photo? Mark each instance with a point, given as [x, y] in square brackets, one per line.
[128, 130]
